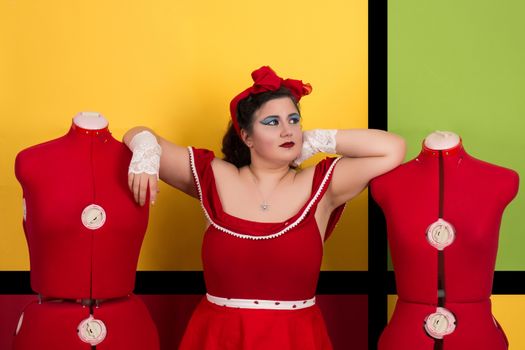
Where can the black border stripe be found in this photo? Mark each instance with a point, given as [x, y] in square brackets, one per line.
[330, 282]
[192, 282]
[15, 282]
[505, 283]
[377, 119]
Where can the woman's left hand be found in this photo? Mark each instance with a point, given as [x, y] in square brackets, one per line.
[315, 141]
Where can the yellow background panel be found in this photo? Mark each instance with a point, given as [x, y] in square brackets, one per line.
[391, 305]
[507, 309]
[173, 66]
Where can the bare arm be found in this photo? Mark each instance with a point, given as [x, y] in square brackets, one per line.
[174, 169]
[367, 153]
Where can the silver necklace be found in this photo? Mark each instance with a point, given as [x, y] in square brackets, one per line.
[264, 205]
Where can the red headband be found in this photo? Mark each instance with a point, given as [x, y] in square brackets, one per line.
[265, 79]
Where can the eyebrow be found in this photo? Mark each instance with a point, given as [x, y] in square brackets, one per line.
[276, 116]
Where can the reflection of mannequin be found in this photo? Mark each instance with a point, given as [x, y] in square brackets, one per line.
[473, 195]
[84, 233]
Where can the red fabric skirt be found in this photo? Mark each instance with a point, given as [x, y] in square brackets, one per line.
[214, 327]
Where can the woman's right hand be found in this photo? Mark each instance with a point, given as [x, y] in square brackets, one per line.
[154, 157]
[143, 173]
[139, 185]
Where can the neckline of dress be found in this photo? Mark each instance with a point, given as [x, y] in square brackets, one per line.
[269, 223]
[278, 228]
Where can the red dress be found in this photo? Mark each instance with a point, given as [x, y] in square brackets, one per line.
[471, 195]
[268, 261]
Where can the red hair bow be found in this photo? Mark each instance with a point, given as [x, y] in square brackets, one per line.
[265, 79]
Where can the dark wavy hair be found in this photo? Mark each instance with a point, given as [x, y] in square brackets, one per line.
[234, 149]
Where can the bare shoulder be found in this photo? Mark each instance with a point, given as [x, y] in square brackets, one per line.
[222, 168]
[352, 175]
[305, 171]
[227, 176]
[303, 177]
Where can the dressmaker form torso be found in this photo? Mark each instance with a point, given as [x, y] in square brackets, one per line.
[84, 233]
[450, 267]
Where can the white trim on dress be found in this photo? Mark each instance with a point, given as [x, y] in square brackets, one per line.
[245, 236]
[261, 304]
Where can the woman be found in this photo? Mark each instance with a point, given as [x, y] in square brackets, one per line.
[266, 221]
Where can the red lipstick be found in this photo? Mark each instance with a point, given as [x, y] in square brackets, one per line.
[287, 144]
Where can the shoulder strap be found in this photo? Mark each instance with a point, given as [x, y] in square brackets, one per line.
[204, 180]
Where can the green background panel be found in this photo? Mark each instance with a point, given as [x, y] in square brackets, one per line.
[459, 66]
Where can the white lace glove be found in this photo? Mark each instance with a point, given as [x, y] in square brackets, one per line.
[315, 141]
[146, 154]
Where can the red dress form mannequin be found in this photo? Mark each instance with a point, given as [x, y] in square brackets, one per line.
[451, 267]
[84, 233]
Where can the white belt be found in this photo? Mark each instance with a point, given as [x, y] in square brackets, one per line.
[261, 304]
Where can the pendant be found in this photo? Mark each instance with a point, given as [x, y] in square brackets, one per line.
[265, 206]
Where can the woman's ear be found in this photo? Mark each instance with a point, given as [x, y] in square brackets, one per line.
[246, 138]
